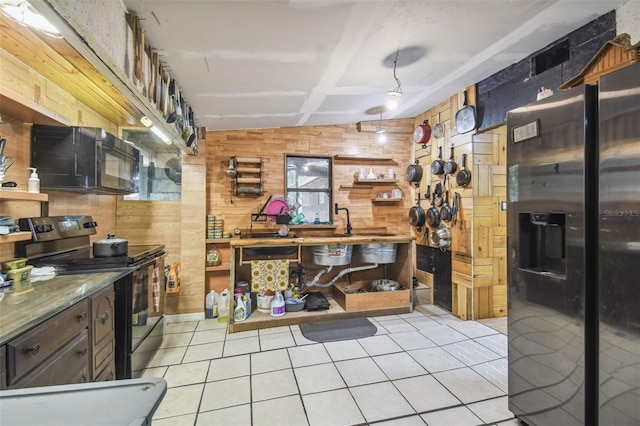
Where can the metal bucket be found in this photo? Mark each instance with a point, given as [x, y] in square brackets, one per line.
[332, 255]
[376, 253]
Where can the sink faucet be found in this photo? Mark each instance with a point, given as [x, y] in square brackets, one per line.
[349, 228]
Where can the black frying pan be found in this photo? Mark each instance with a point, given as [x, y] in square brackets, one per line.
[417, 216]
[464, 175]
[450, 166]
[445, 211]
[414, 173]
[437, 195]
[437, 166]
[465, 117]
[433, 218]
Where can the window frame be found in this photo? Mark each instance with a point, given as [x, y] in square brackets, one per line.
[328, 191]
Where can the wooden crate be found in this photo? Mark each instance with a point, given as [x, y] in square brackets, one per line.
[372, 300]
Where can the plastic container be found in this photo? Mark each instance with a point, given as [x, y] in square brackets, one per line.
[246, 298]
[213, 257]
[223, 306]
[240, 310]
[34, 181]
[211, 305]
[18, 263]
[19, 275]
[277, 305]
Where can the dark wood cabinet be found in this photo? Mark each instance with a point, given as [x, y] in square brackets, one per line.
[75, 346]
[102, 334]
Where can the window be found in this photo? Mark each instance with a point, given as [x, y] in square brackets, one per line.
[309, 187]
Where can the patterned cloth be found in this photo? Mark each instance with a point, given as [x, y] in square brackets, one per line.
[269, 275]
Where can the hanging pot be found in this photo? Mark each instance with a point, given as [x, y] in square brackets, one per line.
[422, 134]
[441, 238]
[437, 166]
[414, 173]
[464, 175]
[111, 246]
[450, 166]
[465, 117]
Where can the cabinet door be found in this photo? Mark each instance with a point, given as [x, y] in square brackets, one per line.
[102, 330]
[69, 365]
[34, 347]
[3, 367]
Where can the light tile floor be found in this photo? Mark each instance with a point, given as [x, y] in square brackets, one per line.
[423, 368]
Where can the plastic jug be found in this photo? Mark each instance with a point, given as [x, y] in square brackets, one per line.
[277, 305]
[240, 311]
[223, 306]
[211, 305]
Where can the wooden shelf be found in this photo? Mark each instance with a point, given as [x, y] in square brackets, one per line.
[224, 267]
[16, 236]
[218, 241]
[25, 110]
[374, 181]
[356, 186]
[358, 158]
[17, 194]
[386, 200]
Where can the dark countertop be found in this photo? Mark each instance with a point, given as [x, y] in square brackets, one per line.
[21, 311]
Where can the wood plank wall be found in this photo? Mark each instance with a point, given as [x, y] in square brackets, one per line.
[271, 145]
[479, 238]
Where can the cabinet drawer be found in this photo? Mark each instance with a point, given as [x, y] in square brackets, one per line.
[109, 373]
[69, 365]
[103, 355]
[102, 315]
[26, 352]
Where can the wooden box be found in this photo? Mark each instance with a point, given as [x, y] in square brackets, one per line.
[370, 300]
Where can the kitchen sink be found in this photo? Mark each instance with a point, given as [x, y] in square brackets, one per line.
[354, 234]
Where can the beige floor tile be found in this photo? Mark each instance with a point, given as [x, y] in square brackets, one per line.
[300, 339]
[467, 385]
[175, 340]
[211, 324]
[380, 401]
[414, 389]
[241, 346]
[208, 336]
[360, 371]
[181, 327]
[493, 410]
[274, 330]
[279, 411]
[459, 416]
[344, 410]
[404, 421]
[186, 374]
[207, 351]
[264, 362]
[399, 366]
[170, 356]
[378, 345]
[276, 341]
[308, 355]
[228, 368]
[186, 420]
[241, 335]
[154, 372]
[226, 393]
[345, 349]
[274, 384]
[180, 401]
[318, 378]
[239, 415]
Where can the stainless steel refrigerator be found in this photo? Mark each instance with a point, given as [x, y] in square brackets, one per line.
[573, 221]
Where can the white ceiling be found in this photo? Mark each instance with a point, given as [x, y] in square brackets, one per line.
[263, 64]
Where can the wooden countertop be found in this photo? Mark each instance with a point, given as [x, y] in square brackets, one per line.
[321, 240]
[21, 311]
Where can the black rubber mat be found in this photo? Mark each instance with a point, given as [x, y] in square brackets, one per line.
[335, 330]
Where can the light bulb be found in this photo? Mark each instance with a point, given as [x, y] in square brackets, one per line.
[392, 104]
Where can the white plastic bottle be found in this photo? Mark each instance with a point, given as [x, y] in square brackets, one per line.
[277, 305]
[223, 306]
[240, 311]
[34, 180]
[211, 305]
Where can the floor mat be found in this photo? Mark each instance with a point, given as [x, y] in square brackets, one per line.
[331, 331]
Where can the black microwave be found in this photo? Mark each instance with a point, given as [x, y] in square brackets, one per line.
[84, 159]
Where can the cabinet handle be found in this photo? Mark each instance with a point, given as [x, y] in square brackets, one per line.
[104, 317]
[83, 316]
[82, 352]
[34, 350]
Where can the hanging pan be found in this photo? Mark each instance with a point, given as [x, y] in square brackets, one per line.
[437, 166]
[437, 196]
[438, 129]
[450, 166]
[465, 117]
[414, 173]
[464, 175]
[417, 215]
[422, 134]
[445, 211]
[433, 218]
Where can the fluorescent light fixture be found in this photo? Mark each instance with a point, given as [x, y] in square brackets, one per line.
[161, 135]
[23, 13]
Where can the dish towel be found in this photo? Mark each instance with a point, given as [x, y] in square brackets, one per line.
[269, 275]
[155, 286]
